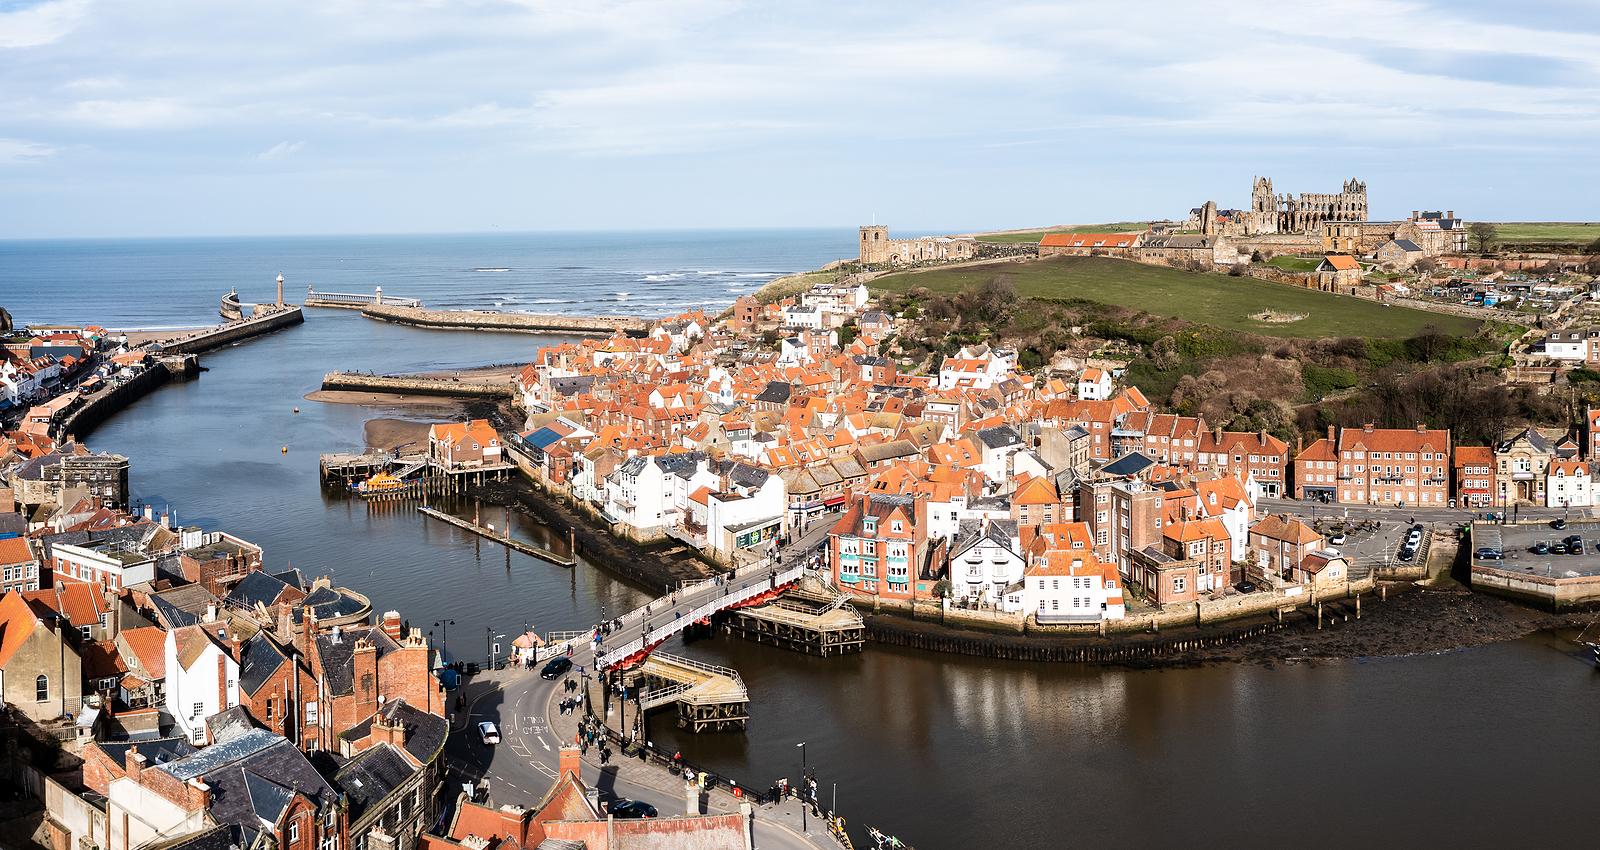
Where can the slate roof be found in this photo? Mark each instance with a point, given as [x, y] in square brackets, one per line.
[338, 655]
[371, 776]
[1130, 464]
[425, 733]
[974, 532]
[328, 604]
[777, 392]
[156, 751]
[260, 659]
[291, 577]
[257, 588]
[1000, 436]
[245, 774]
[1407, 245]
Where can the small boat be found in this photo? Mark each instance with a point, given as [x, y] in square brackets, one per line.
[1591, 647]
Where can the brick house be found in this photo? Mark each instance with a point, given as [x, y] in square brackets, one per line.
[1394, 466]
[1243, 454]
[1316, 470]
[464, 444]
[356, 669]
[1281, 544]
[1475, 476]
[880, 547]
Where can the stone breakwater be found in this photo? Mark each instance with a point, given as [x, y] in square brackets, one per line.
[415, 385]
[490, 320]
[229, 332]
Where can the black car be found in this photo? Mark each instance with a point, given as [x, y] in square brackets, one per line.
[1557, 548]
[1246, 586]
[631, 809]
[557, 668]
[1558, 523]
[1407, 553]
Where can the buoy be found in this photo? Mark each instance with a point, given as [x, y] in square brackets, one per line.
[297, 410]
[285, 450]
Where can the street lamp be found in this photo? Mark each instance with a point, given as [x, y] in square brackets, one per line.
[444, 647]
[802, 746]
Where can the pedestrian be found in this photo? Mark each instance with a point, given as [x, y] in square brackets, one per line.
[605, 755]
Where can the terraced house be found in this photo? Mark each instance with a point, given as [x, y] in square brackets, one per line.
[880, 548]
[1393, 466]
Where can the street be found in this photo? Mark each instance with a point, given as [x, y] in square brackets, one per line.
[522, 767]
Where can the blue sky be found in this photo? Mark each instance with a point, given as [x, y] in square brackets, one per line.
[167, 117]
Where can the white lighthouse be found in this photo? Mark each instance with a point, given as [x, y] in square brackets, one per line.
[280, 289]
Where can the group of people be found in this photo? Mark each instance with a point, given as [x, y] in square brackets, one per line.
[572, 703]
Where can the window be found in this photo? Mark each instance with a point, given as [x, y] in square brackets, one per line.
[198, 707]
[294, 832]
[897, 526]
[1179, 584]
[41, 688]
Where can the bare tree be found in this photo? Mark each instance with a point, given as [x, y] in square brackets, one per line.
[1485, 234]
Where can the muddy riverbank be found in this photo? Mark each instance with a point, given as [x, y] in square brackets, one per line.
[654, 567]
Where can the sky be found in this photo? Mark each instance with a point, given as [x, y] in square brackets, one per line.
[178, 118]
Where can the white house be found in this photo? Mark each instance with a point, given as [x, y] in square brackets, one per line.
[1069, 586]
[802, 316]
[1568, 484]
[747, 510]
[1094, 384]
[1566, 345]
[985, 559]
[113, 568]
[202, 678]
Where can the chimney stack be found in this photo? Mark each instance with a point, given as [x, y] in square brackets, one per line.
[197, 794]
[391, 625]
[133, 763]
[1450, 214]
[569, 761]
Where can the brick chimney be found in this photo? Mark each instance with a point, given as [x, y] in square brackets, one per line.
[308, 630]
[133, 763]
[569, 763]
[388, 732]
[365, 664]
[1366, 427]
[1331, 437]
[197, 794]
[391, 625]
[1421, 428]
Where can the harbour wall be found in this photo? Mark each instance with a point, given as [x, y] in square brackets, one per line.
[488, 320]
[231, 332]
[404, 385]
[99, 407]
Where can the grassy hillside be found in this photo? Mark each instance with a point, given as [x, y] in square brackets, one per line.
[1036, 235]
[1547, 233]
[1214, 299]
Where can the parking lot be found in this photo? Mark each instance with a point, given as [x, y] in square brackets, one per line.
[1518, 541]
[1370, 543]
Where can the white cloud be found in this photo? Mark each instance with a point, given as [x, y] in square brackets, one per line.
[39, 25]
[17, 151]
[280, 151]
[134, 114]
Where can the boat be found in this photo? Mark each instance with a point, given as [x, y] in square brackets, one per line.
[381, 484]
[1591, 646]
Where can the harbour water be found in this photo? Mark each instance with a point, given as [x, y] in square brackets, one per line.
[1490, 747]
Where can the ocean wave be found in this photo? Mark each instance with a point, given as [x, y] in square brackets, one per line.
[658, 277]
[491, 269]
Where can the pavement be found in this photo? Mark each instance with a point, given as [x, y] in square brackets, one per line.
[522, 767]
[1516, 543]
[1458, 516]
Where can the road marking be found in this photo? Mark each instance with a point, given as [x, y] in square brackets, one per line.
[543, 744]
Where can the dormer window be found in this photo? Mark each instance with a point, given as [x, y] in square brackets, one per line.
[869, 525]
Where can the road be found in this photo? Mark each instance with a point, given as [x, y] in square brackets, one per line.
[522, 767]
[1318, 510]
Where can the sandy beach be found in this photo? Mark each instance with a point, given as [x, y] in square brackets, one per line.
[389, 435]
[413, 403]
[137, 338]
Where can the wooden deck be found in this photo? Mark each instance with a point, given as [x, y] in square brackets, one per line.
[709, 698]
[804, 622]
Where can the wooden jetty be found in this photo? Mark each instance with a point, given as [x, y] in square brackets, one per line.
[503, 539]
[709, 698]
[423, 475]
[803, 621]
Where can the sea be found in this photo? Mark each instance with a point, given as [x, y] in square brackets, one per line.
[160, 283]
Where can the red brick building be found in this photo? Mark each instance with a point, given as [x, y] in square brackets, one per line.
[880, 547]
[1242, 453]
[1474, 476]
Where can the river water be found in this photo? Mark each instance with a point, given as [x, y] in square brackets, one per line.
[1495, 746]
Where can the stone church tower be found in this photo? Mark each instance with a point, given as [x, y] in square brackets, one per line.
[874, 244]
[1263, 207]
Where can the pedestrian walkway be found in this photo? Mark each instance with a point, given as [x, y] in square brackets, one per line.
[649, 769]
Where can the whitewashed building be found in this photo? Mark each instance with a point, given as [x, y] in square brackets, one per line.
[202, 678]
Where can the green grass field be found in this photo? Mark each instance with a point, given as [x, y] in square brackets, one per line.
[1214, 299]
[1295, 264]
[1578, 233]
[1036, 235]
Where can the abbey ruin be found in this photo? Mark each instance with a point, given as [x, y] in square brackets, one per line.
[877, 249]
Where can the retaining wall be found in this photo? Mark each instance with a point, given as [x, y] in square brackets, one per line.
[401, 385]
[487, 320]
[99, 407]
[1550, 591]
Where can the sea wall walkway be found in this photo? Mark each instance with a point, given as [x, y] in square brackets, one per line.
[415, 385]
[488, 320]
[270, 319]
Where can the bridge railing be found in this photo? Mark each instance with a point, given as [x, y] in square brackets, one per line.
[733, 591]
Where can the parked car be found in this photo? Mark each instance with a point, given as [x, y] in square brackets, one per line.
[631, 809]
[1556, 548]
[1245, 587]
[1489, 553]
[1406, 553]
[1540, 548]
[1575, 545]
[1558, 523]
[557, 668]
[1337, 539]
[489, 733]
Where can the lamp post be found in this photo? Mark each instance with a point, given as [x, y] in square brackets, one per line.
[802, 746]
[444, 646]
